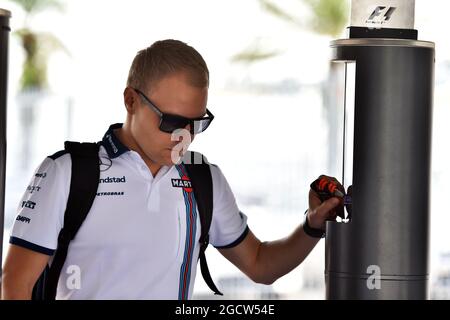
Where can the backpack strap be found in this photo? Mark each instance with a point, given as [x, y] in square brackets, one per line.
[83, 190]
[199, 173]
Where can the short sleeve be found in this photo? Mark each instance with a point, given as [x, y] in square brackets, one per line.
[40, 213]
[229, 224]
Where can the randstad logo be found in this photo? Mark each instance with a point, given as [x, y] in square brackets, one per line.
[113, 180]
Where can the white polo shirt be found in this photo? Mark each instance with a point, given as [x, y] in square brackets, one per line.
[140, 239]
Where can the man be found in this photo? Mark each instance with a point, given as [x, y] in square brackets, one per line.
[140, 239]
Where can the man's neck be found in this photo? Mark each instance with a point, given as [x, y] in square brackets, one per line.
[124, 135]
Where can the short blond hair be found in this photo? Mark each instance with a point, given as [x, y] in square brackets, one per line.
[166, 57]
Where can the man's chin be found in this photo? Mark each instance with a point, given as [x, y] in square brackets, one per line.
[171, 157]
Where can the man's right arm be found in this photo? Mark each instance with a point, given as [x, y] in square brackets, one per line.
[34, 234]
[21, 270]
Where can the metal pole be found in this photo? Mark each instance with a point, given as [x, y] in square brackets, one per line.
[4, 40]
[382, 253]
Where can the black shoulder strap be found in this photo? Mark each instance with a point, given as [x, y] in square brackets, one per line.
[199, 173]
[83, 189]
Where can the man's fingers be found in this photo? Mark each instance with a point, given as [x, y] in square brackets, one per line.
[314, 200]
[327, 208]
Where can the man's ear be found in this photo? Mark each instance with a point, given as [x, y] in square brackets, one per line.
[130, 100]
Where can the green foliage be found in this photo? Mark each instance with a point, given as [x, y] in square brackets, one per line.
[279, 12]
[35, 6]
[330, 16]
[253, 54]
[38, 46]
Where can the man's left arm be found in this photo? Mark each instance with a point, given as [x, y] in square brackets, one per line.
[265, 262]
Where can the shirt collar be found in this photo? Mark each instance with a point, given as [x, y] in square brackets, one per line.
[112, 144]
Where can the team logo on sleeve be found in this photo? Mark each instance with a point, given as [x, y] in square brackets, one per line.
[32, 189]
[184, 183]
[23, 219]
[28, 204]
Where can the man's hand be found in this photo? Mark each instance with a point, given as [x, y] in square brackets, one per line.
[319, 211]
[265, 262]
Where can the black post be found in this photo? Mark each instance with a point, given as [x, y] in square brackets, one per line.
[382, 253]
[4, 37]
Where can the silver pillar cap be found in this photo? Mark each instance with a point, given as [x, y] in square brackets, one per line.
[378, 14]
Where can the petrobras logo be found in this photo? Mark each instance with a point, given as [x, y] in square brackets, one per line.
[113, 180]
[110, 193]
[380, 15]
[184, 183]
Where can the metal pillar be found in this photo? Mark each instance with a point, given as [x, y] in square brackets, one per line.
[4, 37]
[382, 253]
[391, 173]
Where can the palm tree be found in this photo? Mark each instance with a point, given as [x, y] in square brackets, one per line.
[37, 46]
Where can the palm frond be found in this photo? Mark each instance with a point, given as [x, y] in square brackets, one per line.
[253, 55]
[34, 6]
[279, 12]
[38, 47]
[329, 16]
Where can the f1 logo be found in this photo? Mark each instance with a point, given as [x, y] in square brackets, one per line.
[381, 14]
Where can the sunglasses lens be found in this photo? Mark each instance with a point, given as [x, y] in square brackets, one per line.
[200, 125]
[170, 123]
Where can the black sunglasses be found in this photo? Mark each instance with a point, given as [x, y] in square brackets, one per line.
[170, 122]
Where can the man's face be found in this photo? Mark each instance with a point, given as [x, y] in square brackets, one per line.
[173, 95]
